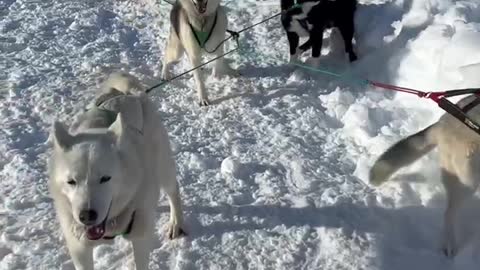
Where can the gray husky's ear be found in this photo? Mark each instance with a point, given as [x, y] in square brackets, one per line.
[61, 137]
[118, 127]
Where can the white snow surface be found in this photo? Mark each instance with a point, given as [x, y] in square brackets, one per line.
[273, 175]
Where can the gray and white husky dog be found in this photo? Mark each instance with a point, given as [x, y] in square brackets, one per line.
[107, 170]
[459, 150]
[197, 26]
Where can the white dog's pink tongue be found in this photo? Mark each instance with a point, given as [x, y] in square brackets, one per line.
[95, 232]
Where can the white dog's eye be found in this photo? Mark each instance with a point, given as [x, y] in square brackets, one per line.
[105, 179]
[71, 182]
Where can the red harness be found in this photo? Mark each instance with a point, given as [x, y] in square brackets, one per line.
[441, 99]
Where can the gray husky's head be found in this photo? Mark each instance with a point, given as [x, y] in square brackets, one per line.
[201, 7]
[84, 169]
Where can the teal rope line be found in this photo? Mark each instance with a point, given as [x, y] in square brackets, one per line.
[359, 81]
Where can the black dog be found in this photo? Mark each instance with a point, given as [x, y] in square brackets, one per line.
[311, 17]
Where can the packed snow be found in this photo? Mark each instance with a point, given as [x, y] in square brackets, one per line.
[274, 174]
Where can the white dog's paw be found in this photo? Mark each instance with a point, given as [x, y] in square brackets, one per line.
[175, 230]
[166, 74]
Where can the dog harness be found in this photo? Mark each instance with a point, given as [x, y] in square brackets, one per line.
[113, 93]
[202, 37]
[126, 232]
[109, 115]
[472, 104]
[109, 104]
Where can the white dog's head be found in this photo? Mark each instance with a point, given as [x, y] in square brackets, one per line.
[201, 7]
[84, 170]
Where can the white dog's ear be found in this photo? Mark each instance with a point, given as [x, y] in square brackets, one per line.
[61, 137]
[118, 128]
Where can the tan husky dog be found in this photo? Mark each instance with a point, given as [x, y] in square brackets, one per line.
[459, 150]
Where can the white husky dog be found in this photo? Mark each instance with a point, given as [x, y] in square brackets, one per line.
[197, 26]
[459, 149]
[107, 170]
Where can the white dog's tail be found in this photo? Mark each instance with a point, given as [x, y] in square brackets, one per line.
[401, 154]
[122, 82]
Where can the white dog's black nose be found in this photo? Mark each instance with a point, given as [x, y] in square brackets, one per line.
[88, 217]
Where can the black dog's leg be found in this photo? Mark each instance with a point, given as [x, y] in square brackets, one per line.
[293, 40]
[305, 46]
[316, 37]
[347, 30]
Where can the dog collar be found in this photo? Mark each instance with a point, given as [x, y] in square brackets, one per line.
[126, 232]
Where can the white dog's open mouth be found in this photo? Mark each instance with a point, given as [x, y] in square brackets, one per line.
[96, 232]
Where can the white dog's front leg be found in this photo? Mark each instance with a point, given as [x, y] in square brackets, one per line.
[173, 53]
[457, 193]
[199, 81]
[195, 59]
[82, 255]
[141, 251]
[176, 215]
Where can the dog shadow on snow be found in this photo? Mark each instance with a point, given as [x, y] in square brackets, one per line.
[407, 237]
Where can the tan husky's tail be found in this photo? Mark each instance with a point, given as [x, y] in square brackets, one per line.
[401, 154]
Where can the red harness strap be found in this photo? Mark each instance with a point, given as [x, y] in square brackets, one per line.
[441, 99]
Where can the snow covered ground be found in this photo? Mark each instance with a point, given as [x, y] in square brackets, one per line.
[273, 174]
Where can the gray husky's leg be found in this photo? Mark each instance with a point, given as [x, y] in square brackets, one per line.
[173, 53]
[457, 193]
[221, 67]
[195, 59]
